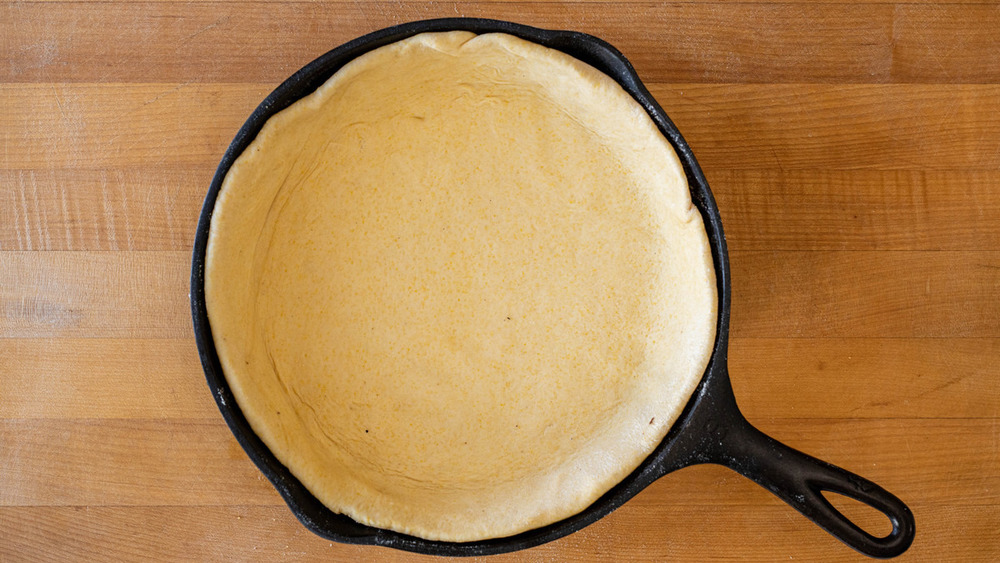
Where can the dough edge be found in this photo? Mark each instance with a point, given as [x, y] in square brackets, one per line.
[509, 510]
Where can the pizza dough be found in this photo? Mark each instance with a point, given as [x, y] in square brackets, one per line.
[460, 291]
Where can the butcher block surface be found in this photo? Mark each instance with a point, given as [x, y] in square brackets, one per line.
[853, 148]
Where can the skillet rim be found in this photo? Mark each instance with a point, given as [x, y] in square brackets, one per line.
[663, 459]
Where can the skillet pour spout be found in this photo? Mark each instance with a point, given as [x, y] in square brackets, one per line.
[711, 428]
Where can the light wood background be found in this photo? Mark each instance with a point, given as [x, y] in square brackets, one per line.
[855, 153]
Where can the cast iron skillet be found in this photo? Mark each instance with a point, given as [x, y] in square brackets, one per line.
[711, 428]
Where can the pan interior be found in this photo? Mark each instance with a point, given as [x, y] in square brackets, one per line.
[460, 291]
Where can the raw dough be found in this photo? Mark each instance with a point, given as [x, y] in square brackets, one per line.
[460, 291]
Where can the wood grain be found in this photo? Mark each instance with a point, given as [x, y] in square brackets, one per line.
[157, 209]
[177, 42]
[269, 534]
[103, 378]
[779, 127]
[106, 209]
[858, 378]
[865, 294]
[190, 462]
[126, 461]
[908, 127]
[90, 126]
[776, 294]
[615, 2]
[928, 41]
[92, 294]
[854, 149]
[937, 378]
[704, 42]
[823, 209]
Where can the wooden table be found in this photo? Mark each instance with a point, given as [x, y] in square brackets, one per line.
[855, 153]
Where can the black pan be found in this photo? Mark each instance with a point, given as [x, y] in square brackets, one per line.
[711, 428]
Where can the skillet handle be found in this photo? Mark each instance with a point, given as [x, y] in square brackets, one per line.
[717, 432]
[799, 480]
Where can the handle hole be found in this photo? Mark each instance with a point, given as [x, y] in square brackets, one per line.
[867, 518]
